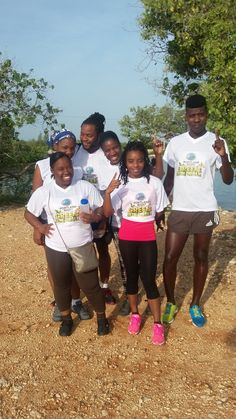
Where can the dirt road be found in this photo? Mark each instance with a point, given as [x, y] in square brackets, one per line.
[116, 376]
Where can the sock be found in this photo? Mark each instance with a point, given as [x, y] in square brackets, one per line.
[105, 285]
[74, 301]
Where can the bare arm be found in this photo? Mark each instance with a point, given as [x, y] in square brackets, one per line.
[93, 217]
[46, 229]
[169, 180]
[158, 148]
[107, 206]
[37, 179]
[226, 170]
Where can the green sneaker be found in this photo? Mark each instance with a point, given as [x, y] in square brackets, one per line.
[169, 314]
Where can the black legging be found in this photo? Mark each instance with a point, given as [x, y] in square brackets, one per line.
[61, 268]
[140, 258]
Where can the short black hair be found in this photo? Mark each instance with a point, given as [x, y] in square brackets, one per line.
[108, 135]
[57, 156]
[134, 146]
[96, 119]
[196, 101]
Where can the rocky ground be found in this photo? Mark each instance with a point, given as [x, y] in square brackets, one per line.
[116, 376]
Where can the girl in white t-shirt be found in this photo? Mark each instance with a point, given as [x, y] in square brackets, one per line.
[64, 141]
[141, 199]
[61, 201]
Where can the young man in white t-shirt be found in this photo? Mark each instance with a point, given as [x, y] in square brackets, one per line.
[192, 158]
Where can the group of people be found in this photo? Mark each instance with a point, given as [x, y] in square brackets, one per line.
[127, 200]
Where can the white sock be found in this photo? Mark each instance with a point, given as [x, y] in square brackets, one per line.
[74, 301]
[105, 285]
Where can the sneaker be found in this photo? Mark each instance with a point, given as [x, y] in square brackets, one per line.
[124, 309]
[81, 310]
[109, 298]
[169, 314]
[197, 316]
[158, 336]
[66, 328]
[56, 314]
[134, 324]
[103, 327]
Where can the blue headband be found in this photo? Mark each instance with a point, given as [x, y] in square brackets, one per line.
[60, 135]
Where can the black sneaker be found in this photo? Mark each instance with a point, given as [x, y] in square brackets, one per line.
[81, 310]
[103, 327]
[66, 328]
[125, 309]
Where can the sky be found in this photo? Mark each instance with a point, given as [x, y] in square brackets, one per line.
[90, 50]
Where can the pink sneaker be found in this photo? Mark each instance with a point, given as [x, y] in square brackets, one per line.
[134, 324]
[158, 337]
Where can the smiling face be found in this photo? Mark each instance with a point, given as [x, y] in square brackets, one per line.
[135, 163]
[62, 171]
[67, 146]
[196, 119]
[88, 136]
[112, 150]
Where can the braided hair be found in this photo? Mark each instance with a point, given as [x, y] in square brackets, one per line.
[134, 146]
[96, 119]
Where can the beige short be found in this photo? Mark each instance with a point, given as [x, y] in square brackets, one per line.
[192, 222]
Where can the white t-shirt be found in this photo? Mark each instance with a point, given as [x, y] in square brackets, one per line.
[194, 161]
[140, 200]
[45, 171]
[94, 166]
[64, 205]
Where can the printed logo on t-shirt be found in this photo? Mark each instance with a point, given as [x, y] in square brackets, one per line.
[191, 165]
[90, 176]
[140, 207]
[67, 212]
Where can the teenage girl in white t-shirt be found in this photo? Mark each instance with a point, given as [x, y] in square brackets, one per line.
[111, 146]
[64, 141]
[61, 201]
[141, 198]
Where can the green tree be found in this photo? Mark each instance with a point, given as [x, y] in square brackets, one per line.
[149, 120]
[23, 100]
[198, 43]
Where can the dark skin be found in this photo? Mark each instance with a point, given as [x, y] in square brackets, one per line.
[67, 146]
[63, 174]
[196, 119]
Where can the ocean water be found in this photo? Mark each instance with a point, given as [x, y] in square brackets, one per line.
[225, 194]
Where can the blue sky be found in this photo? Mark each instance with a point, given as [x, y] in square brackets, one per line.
[90, 50]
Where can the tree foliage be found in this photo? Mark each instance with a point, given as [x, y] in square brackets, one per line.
[149, 120]
[198, 42]
[23, 100]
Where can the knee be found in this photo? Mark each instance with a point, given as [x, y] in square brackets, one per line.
[170, 258]
[201, 256]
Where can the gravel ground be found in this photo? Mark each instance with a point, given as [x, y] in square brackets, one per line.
[115, 376]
